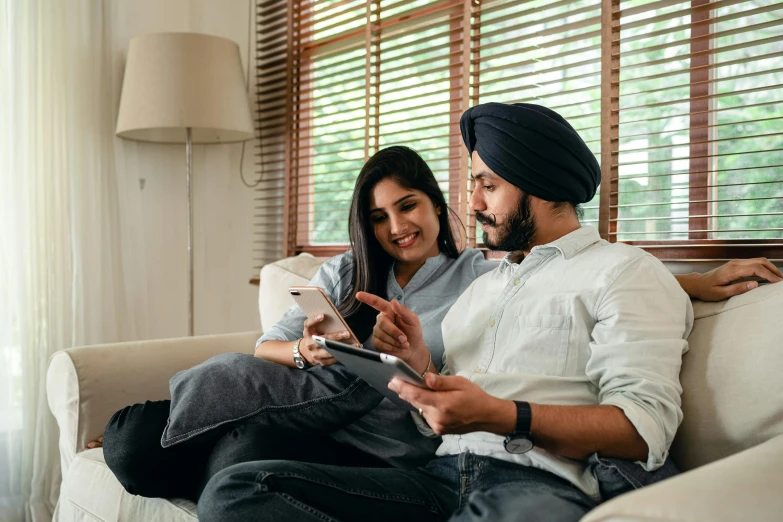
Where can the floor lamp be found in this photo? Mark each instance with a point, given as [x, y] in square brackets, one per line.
[184, 88]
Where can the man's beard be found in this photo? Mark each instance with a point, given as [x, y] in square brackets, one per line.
[515, 233]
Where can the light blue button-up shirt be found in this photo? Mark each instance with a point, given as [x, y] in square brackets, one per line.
[579, 321]
[387, 431]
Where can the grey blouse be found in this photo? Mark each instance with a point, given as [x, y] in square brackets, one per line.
[429, 294]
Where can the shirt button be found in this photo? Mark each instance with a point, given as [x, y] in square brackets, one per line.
[477, 370]
[492, 323]
[516, 281]
[399, 297]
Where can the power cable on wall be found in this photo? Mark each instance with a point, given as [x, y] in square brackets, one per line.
[250, 18]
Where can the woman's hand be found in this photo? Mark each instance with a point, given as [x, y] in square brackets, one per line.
[719, 284]
[97, 443]
[313, 353]
[397, 331]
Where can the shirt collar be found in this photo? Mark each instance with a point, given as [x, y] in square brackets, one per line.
[568, 245]
[422, 274]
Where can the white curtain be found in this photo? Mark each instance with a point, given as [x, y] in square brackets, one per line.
[61, 274]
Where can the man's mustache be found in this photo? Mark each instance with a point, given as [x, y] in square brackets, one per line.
[487, 219]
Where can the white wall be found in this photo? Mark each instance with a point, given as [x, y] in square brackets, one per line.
[154, 219]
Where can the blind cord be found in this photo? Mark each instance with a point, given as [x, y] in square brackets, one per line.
[251, 4]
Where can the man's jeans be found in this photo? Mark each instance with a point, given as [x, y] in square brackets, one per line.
[463, 487]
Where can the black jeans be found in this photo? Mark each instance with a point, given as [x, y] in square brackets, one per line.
[132, 450]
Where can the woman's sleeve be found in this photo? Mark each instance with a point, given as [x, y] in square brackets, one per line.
[329, 277]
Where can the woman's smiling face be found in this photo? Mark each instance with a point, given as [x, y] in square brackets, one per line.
[405, 222]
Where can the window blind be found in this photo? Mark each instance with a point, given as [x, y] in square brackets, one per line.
[369, 75]
[695, 133]
[547, 53]
[679, 100]
[272, 73]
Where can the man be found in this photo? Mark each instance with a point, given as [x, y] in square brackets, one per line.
[571, 347]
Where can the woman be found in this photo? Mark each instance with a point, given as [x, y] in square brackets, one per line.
[403, 247]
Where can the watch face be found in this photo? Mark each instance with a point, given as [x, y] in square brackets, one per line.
[299, 362]
[518, 445]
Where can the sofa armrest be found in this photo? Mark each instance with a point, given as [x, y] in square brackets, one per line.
[86, 385]
[744, 486]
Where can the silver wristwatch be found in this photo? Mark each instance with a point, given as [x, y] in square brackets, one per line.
[299, 361]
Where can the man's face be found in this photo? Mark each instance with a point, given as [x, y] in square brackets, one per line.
[502, 209]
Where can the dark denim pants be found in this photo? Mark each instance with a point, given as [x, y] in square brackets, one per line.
[236, 408]
[133, 452]
[463, 487]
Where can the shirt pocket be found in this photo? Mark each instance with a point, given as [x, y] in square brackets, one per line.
[539, 344]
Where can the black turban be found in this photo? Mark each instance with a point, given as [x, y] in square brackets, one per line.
[533, 148]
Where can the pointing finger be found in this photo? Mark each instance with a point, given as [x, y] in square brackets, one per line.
[380, 304]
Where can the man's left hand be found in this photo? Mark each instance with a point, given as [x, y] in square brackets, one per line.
[455, 405]
[720, 283]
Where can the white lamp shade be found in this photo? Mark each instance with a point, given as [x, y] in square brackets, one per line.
[178, 80]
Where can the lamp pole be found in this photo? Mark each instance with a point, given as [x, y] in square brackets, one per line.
[189, 161]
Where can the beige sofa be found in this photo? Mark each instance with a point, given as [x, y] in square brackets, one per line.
[731, 440]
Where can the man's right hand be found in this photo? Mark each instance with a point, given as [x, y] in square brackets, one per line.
[313, 353]
[397, 331]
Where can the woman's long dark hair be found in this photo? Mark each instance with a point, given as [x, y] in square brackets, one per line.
[371, 263]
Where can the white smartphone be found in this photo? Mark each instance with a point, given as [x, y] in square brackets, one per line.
[377, 369]
[313, 301]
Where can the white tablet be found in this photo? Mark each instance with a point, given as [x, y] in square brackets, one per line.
[377, 369]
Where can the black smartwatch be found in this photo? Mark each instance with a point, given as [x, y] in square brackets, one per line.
[520, 441]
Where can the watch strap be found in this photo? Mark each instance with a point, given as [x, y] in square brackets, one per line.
[524, 417]
[520, 440]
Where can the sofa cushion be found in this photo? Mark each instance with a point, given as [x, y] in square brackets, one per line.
[90, 492]
[276, 278]
[732, 377]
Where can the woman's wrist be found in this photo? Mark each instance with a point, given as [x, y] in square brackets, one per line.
[279, 352]
[421, 362]
[303, 352]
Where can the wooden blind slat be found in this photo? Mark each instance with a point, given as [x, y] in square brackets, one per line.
[699, 142]
[689, 202]
[708, 96]
[679, 14]
[670, 218]
[707, 22]
[707, 36]
[722, 185]
[670, 174]
[712, 51]
[587, 22]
